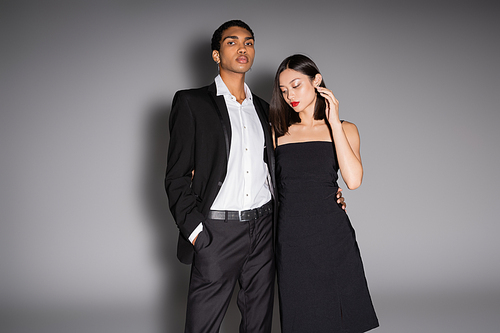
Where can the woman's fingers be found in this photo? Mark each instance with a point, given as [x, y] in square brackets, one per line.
[327, 93]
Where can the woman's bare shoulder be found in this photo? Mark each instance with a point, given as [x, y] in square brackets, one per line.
[349, 127]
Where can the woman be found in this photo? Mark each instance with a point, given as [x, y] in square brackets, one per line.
[321, 281]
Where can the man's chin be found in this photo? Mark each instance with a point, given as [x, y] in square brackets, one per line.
[239, 70]
[245, 67]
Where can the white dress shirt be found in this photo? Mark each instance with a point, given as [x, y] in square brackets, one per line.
[245, 186]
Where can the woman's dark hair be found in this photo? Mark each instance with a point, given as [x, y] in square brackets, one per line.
[217, 36]
[281, 115]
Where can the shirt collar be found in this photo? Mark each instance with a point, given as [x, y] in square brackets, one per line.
[224, 91]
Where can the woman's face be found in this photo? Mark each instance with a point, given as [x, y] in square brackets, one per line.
[298, 90]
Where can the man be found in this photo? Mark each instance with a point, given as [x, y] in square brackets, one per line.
[220, 185]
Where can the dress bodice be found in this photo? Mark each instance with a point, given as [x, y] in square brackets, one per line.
[310, 164]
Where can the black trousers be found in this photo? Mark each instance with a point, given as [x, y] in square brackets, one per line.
[227, 252]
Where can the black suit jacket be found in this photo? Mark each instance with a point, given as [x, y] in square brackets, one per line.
[200, 139]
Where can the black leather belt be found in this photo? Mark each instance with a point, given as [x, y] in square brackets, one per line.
[244, 215]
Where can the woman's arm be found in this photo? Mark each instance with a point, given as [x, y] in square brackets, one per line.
[347, 143]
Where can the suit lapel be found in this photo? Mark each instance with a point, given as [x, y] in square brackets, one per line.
[269, 150]
[263, 120]
[262, 116]
[221, 109]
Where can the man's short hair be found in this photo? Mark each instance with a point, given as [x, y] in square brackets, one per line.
[217, 36]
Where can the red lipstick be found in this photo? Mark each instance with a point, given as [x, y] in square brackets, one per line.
[294, 104]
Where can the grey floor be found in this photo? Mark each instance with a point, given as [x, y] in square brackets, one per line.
[411, 313]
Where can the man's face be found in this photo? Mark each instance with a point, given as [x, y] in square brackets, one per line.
[236, 51]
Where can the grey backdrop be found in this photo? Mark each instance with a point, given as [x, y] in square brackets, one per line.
[86, 240]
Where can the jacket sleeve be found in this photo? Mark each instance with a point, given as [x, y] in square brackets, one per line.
[180, 164]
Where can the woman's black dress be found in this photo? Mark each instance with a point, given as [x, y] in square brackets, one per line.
[321, 281]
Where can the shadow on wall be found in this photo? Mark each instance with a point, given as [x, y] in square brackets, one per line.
[200, 70]
[175, 278]
[200, 67]
[261, 83]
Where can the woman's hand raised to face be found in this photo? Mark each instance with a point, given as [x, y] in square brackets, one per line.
[332, 105]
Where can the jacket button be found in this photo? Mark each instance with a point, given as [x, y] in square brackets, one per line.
[219, 183]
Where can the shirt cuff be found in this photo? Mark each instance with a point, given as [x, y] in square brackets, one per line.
[196, 232]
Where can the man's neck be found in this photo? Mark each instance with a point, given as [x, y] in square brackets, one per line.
[235, 82]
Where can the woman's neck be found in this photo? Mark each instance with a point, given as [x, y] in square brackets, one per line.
[307, 118]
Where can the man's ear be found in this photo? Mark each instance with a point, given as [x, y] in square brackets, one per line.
[215, 56]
